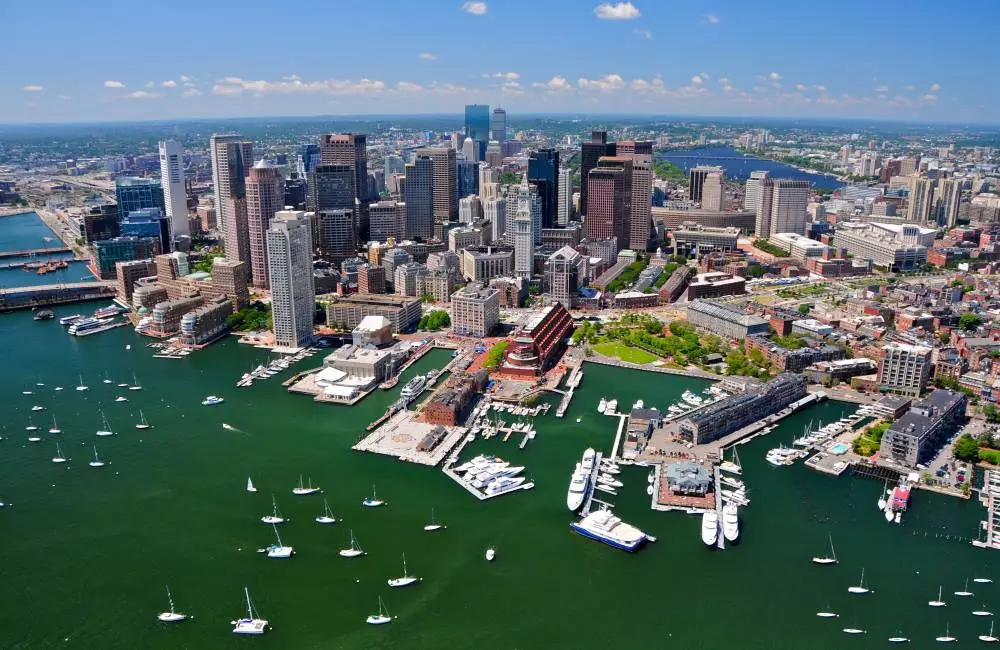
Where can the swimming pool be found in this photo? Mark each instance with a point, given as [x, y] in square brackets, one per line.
[838, 449]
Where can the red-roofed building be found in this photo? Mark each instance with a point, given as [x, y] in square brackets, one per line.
[536, 347]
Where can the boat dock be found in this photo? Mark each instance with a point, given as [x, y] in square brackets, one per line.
[482, 496]
[721, 539]
[575, 377]
[528, 436]
[585, 510]
[988, 496]
[618, 436]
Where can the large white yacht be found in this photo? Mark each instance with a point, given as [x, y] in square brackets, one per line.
[730, 522]
[605, 527]
[710, 527]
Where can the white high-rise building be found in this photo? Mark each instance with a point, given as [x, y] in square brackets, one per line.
[527, 222]
[470, 209]
[495, 211]
[713, 194]
[529, 202]
[565, 210]
[293, 298]
[752, 195]
[172, 181]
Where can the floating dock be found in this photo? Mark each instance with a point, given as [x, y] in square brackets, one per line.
[588, 502]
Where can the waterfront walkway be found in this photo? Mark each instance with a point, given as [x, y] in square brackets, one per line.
[684, 372]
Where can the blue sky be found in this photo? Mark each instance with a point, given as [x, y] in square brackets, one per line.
[82, 61]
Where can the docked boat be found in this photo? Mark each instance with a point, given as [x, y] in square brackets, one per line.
[589, 457]
[829, 559]
[44, 314]
[105, 312]
[602, 525]
[710, 527]
[142, 421]
[964, 592]
[899, 638]
[602, 406]
[69, 320]
[434, 525]
[404, 581]
[275, 516]
[172, 616]
[278, 550]
[413, 388]
[860, 588]
[382, 617]
[638, 404]
[938, 602]
[607, 479]
[609, 467]
[373, 501]
[504, 484]
[327, 516]
[135, 383]
[882, 501]
[252, 623]
[212, 400]
[354, 550]
[105, 429]
[97, 462]
[606, 488]
[730, 522]
[612, 407]
[303, 490]
[578, 485]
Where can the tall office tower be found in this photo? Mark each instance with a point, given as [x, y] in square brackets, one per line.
[293, 299]
[610, 202]
[477, 127]
[331, 187]
[565, 209]
[696, 180]
[590, 153]
[713, 195]
[909, 165]
[172, 181]
[530, 202]
[265, 197]
[309, 157]
[498, 125]
[781, 207]
[231, 278]
[524, 236]
[296, 193]
[489, 181]
[470, 209]
[495, 211]
[387, 219]
[445, 194]
[232, 156]
[418, 196]
[469, 149]
[920, 204]
[641, 217]
[752, 195]
[467, 177]
[845, 155]
[348, 149]
[629, 147]
[870, 162]
[133, 193]
[393, 165]
[543, 173]
[336, 234]
[949, 198]
[494, 154]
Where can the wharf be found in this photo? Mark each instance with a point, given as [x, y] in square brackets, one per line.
[401, 436]
[585, 510]
[528, 436]
[988, 496]
[622, 418]
[28, 252]
[575, 377]
[698, 374]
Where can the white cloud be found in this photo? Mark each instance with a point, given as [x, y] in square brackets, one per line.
[820, 87]
[774, 76]
[929, 97]
[643, 33]
[142, 94]
[186, 78]
[727, 88]
[800, 87]
[639, 85]
[617, 11]
[712, 19]
[696, 80]
[33, 88]
[475, 8]
[882, 89]
[509, 76]
[427, 56]
[169, 83]
[408, 87]
[113, 84]
[725, 81]
[554, 84]
[935, 87]
[293, 84]
[512, 87]
[190, 92]
[606, 83]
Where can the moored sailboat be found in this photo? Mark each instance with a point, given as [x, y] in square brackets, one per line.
[382, 617]
[275, 516]
[97, 462]
[105, 429]
[172, 616]
[860, 588]
[373, 501]
[142, 421]
[354, 550]
[434, 525]
[829, 559]
[302, 490]
[252, 624]
[406, 580]
[327, 516]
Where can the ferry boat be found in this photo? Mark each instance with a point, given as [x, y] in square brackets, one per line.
[105, 312]
[413, 387]
[69, 320]
[710, 527]
[212, 400]
[88, 326]
[605, 527]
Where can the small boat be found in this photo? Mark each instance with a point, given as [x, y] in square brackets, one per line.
[31, 425]
[938, 602]
[490, 554]
[354, 550]
[988, 637]
[609, 480]
[171, 616]
[649, 490]
[898, 517]
[899, 638]
[251, 624]
[279, 550]
[888, 515]
[81, 387]
[882, 500]
[434, 525]
[860, 588]
[142, 421]
[59, 388]
[105, 429]
[135, 383]
[27, 392]
[106, 380]
[36, 407]
[55, 427]
[327, 516]
[121, 399]
[122, 385]
[302, 490]
[602, 406]
[97, 462]
[373, 501]
[58, 458]
[946, 637]
[606, 488]
[983, 581]
[212, 400]
[730, 522]
[965, 593]
[831, 559]
[275, 516]
[982, 612]
[854, 630]
[250, 487]
[406, 580]
[382, 617]
[827, 615]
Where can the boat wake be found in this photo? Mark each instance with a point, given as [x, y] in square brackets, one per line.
[229, 427]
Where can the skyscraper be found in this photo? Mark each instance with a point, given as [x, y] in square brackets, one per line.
[336, 234]
[393, 165]
[495, 211]
[543, 173]
[696, 180]
[265, 196]
[524, 235]
[445, 194]
[949, 198]
[920, 204]
[752, 195]
[781, 207]
[590, 153]
[172, 181]
[348, 149]
[308, 158]
[641, 217]
[565, 210]
[489, 182]
[610, 210]
[529, 202]
[630, 147]
[387, 219]
[331, 187]
[498, 125]
[477, 126]
[231, 157]
[293, 299]
[713, 195]
[467, 177]
[418, 197]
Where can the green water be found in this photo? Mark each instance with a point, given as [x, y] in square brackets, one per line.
[85, 553]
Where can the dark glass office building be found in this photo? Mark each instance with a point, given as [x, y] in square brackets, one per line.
[543, 173]
[590, 153]
[477, 123]
[134, 193]
[148, 223]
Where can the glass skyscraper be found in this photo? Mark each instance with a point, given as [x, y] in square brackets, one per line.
[477, 123]
[134, 193]
[543, 173]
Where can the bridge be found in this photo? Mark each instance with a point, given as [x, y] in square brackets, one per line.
[51, 250]
[47, 295]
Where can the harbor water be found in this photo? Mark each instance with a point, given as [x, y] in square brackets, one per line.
[738, 165]
[28, 232]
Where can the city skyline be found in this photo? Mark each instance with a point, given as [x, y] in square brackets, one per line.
[650, 58]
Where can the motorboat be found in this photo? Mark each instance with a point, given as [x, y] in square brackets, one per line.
[302, 490]
[58, 458]
[578, 485]
[946, 637]
[609, 467]
[97, 462]
[382, 617]
[860, 588]
[69, 320]
[988, 637]
[327, 516]
[373, 501]
[638, 404]
[964, 592]
[278, 550]
[602, 406]
[938, 602]
[434, 525]
[829, 559]
[710, 527]
[889, 514]
[354, 550]
[612, 407]
[275, 516]
[212, 400]
[730, 522]
[413, 388]
[172, 616]
[250, 486]
[606, 488]
[589, 457]
[603, 526]
[607, 479]
[490, 554]
[142, 421]
[504, 484]
[406, 580]
[36, 407]
[252, 624]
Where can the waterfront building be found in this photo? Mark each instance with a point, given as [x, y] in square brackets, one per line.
[109, 252]
[498, 125]
[132, 194]
[697, 239]
[495, 211]
[893, 247]
[230, 279]
[904, 369]
[537, 345]
[147, 222]
[231, 158]
[919, 433]
[609, 204]
[293, 299]
[565, 273]
[590, 153]
[402, 311]
[781, 207]
[564, 210]
[444, 185]
[265, 194]
[167, 314]
[470, 210]
[336, 234]
[842, 370]
[696, 180]
[715, 284]
[147, 296]
[365, 366]
[725, 320]
[387, 219]
[475, 310]
[405, 278]
[372, 331]
[371, 278]
[127, 274]
[689, 479]
[482, 264]
[206, 323]
[172, 182]
[418, 197]
[349, 149]
[737, 411]
[450, 403]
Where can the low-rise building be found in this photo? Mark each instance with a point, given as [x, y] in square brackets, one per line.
[840, 370]
[715, 285]
[635, 300]
[793, 360]
[450, 403]
[697, 239]
[811, 327]
[676, 284]
[724, 320]
[367, 365]
[894, 247]
[372, 331]
[206, 323]
[483, 264]
[690, 479]
[916, 436]
[737, 411]
[537, 345]
[798, 246]
[402, 311]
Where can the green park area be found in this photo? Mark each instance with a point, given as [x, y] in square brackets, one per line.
[641, 338]
[624, 352]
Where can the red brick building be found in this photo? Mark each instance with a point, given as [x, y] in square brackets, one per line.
[536, 347]
[448, 405]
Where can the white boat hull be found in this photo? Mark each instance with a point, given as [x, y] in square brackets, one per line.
[325, 520]
[372, 503]
[351, 552]
[271, 519]
[402, 582]
[171, 617]
[432, 527]
[305, 491]
[378, 620]
[249, 626]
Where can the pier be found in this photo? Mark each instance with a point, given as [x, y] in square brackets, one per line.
[988, 496]
[575, 377]
[30, 252]
[48, 295]
[588, 502]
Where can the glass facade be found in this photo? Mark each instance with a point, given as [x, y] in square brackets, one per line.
[148, 222]
[137, 193]
[477, 122]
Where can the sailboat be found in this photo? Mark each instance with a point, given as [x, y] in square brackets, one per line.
[982, 612]
[989, 638]
[97, 462]
[142, 424]
[31, 425]
[490, 554]
[827, 614]
[382, 617]
[855, 630]
[278, 550]
[831, 559]
[121, 398]
[984, 581]
[354, 550]
[58, 458]
[37, 407]
[433, 525]
[302, 490]
[946, 637]
[882, 500]
[122, 385]
[55, 427]
[860, 588]
[81, 386]
[406, 580]
[135, 383]
[899, 638]
[938, 602]
[171, 616]
[373, 501]
[251, 624]
[107, 380]
[105, 429]
[275, 517]
[327, 516]
[250, 487]
[965, 593]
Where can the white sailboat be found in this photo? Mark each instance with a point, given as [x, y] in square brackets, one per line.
[135, 383]
[382, 617]
[899, 638]
[171, 616]
[373, 501]
[97, 462]
[105, 429]
[142, 421]
[55, 427]
[827, 614]
[31, 425]
[882, 500]
[938, 602]
[121, 399]
[433, 525]
[982, 612]
[279, 550]
[406, 580]
[831, 559]
[854, 630]
[303, 490]
[123, 385]
[984, 581]
[81, 386]
[107, 380]
[490, 554]
[965, 593]
[250, 487]
[275, 516]
[327, 516]
[58, 458]
[354, 550]
[251, 624]
[988, 637]
[860, 588]
[946, 637]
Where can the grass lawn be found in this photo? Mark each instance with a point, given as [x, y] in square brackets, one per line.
[624, 352]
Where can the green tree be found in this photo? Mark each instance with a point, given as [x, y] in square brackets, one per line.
[804, 308]
[945, 338]
[966, 448]
[969, 321]
[495, 355]
[992, 413]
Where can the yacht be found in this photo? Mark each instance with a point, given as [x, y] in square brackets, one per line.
[607, 479]
[373, 501]
[105, 429]
[710, 527]
[88, 326]
[69, 320]
[171, 616]
[589, 457]
[382, 617]
[988, 638]
[142, 421]
[609, 467]
[406, 580]
[831, 559]
[938, 602]
[250, 487]
[490, 554]
[279, 550]
[354, 550]
[983, 581]
[860, 588]
[275, 516]
[327, 516]
[946, 637]
[504, 484]
[434, 525]
[638, 404]
[413, 387]
[212, 400]
[730, 522]
[612, 407]
[606, 488]
[251, 624]
[97, 462]
[58, 458]
[605, 527]
[302, 490]
[602, 406]
[578, 486]
[55, 427]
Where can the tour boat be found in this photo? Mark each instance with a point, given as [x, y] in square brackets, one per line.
[373, 501]
[58, 458]
[327, 516]
[710, 527]
[105, 429]
[433, 525]
[212, 400]
[602, 406]
[382, 617]
[81, 387]
[354, 550]
[946, 637]
[988, 638]
[171, 616]
[406, 580]
[135, 383]
[832, 559]
[275, 516]
[490, 554]
[250, 487]
[303, 490]
[55, 427]
[938, 602]
[730, 522]
[251, 624]
[97, 462]
[860, 588]
[965, 593]
[279, 550]
[142, 424]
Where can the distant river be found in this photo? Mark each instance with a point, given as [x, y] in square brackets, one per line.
[738, 166]
[28, 231]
